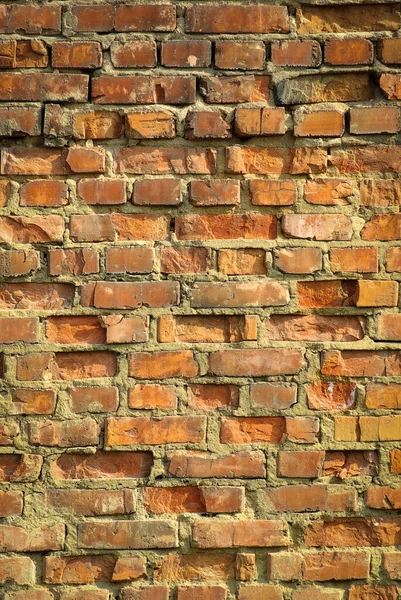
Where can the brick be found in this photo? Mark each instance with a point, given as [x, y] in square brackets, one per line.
[325, 395]
[129, 260]
[204, 592]
[226, 226]
[320, 566]
[17, 569]
[318, 123]
[161, 365]
[354, 260]
[248, 261]
[233, 294]
[43, 193]
[76, 55]
[81, 569]
[45, 161]
[352, 532]
[102, 465]
[232, 89]
[333, 19]
[244, 430]
[90, 594]
[384, 497]
[92, 399]
[321, 294]
[37, 229]
[379, 396]
[317, 227]
[298, 260]
[329, 192]
[239, 55]
[183, 259]
[77, 261]
[42, 87]
[165, 160]
[360, 363]
[344, 465]
[65, 434]
[155, 17]
[258, 362]
[216, 192]
[391, 563]
[195, 567]
[272, 193]
[20, 121]
[186, 53]
[16, 538]
[75, 330]
[32, 402]
[123, 329]
[142, 89]
[127, 534]
[389, 51]
[390, 86]
[307, 89]
[98, 18]
[14, 263]
[290, 464]
[260, 121]
[348, 52]
[150, 396]
[236, 19]
[259, 592]
[265, 161]
[18, 330]
[20, 468]
[314, 328]
[115, 226]
[367, 592]
[96, 125]
[11, 503]
[370, 159]
[66, 365]
[381, 192]
[274, 396]
[206, 125]
[34, 19]
[90, 503]
[150, 125]
[151, 592]
[198, 464]
[211, 396]
[296, 53]
[132, 294]
[193, 499]
[157, 192]
[36, 296]
[133, 53]
[374, 120]
[208, 533]
[206, 329]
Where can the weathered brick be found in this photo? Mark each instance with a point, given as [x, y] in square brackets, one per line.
[237, 19]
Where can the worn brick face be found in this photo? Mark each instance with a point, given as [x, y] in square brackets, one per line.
[199, 300]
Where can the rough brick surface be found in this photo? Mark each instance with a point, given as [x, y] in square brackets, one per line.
[200, 260]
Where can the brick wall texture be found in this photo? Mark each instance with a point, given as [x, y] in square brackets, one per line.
[200, 257]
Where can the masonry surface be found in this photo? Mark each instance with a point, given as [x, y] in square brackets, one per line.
[199, 287]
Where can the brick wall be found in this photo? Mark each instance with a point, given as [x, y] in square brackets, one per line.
[200, 261]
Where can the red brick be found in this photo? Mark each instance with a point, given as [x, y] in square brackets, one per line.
[233, 89]
[32, 402]
[370, 592]
[16, 538]
[186, 53]
[329, 192]
[298, 260]
[142, 161]
[131, 294]
[353, 532]
[206, 329]
[390, 86]
[334, 19]
[14, 263]
[265, 161]
[11, 504]
[151, 592]
[318, 122]
[348, 52]
[240, 55]
[118, 226]
[149, 125]
[127, 534]
[20, 468]
[208, 533]
[162, 365]
[193, 499]
[204, 592]
[34, 19]
[320, 566]
[248, 261]
[271, 395]
[129, 260]
[150, 396]
[66, 366]
[315, 328]
[183, 259]
[360, 363]
[93, 18]
[17, 569]
[203, 464]
[374, 120]
[20, 121]
[272, 193]
[253, 592]
[90, 503]
[321, 294]
[133, 53]
[214, 18]
[96, 125]
[216, 192]
[77, 261]
[207, 124]
[77, 55]
[296, 54]
[36, 296]
[154, 17]
[256, 363]
[142, 89]
[389, 51]
[65, 434]
[211, 396]
[101, 191]
[233, 294]
[102, 465]
[306, 464]
[93, 399]
[144, 430]
[42, 87]
[27, 230]
[226, 226]
[260, 122]
[331, 395]
[354, 260]
[43, 192]
[161, 192]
